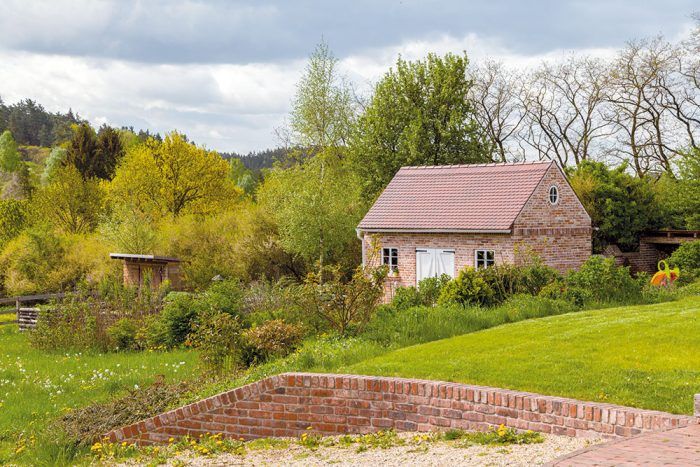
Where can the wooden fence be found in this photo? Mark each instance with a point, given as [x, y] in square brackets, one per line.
[27, 316]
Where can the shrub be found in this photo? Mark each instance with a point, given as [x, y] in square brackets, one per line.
[406, 297]
[339, 303]
[178, 317]
[536, 275]
[123, 334]
[468, 288]
[605, 281]
[272, 339]
[430, 289]
[687, 259]
[153, 334]
[218, 338]
[225, 297]
[426, 294]
[72, 327]
[560, 291]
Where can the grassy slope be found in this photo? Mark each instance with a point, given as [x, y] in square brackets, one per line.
[643, 356]
[36, 386]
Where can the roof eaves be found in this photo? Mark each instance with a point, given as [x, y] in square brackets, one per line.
[438, 230]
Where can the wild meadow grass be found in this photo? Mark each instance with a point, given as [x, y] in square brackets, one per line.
[38, 386]
[7, 314]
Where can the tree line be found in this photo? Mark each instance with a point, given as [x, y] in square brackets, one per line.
[641, 107]
[115, 190]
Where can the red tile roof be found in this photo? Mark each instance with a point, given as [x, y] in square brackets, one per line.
[478, 197]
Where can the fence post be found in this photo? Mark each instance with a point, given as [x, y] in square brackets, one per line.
[696, 410]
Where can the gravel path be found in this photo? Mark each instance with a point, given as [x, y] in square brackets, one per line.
[440, 453]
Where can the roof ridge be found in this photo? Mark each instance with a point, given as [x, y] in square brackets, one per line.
[488, 164]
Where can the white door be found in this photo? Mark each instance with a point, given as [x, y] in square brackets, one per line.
[434, 262]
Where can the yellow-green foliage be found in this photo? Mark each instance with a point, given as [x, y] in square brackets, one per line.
[41, 260]
[172, 178]
[69, 203]
[208, 246]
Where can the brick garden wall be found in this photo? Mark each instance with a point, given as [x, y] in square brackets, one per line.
[286, 405]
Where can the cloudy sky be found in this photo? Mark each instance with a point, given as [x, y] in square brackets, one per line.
[224, 72]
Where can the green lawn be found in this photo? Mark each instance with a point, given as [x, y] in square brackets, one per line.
[37, 386]
[642, 356]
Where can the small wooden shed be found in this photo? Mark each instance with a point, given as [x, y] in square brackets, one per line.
[159, 268]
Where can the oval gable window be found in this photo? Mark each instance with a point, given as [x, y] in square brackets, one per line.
[553, 195]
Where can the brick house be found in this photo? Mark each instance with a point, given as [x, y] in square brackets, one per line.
[441, 219]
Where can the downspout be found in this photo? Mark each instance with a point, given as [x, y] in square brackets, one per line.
[361, 237]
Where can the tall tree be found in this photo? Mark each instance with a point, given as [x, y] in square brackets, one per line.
[322, 112]
[69, 202]
[420, 114]
[312, 201]
[316, 206]
[9, 154]
[498, 107]
[82, 151]
[564, 105]
[110, 150]
[173, 177]
[644, 128]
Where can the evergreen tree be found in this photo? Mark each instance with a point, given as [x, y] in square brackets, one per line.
[109, 151]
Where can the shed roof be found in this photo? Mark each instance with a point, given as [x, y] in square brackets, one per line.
[476, 198]
[144, 258]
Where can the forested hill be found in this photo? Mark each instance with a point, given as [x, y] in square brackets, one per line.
[32, 125]
[258, 160]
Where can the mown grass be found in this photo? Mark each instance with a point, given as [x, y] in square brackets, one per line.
[643, 356]
[38, 386]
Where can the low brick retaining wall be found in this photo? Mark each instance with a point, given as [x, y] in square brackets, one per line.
[287, 404]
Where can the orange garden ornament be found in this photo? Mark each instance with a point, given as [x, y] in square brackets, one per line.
[665, 276]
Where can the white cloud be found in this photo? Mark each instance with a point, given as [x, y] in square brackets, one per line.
[227, 107]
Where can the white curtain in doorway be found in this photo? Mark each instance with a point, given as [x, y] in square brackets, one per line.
[434, 262]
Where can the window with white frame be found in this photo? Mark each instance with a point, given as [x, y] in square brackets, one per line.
[390, 257]
[553, 194]
[484, 258]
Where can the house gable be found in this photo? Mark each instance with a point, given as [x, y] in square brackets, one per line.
[539, 213]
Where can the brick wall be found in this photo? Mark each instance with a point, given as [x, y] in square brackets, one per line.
[286, 405]
[645, 259]
[560, 234]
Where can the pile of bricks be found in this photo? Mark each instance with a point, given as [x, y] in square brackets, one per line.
[286, 405]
